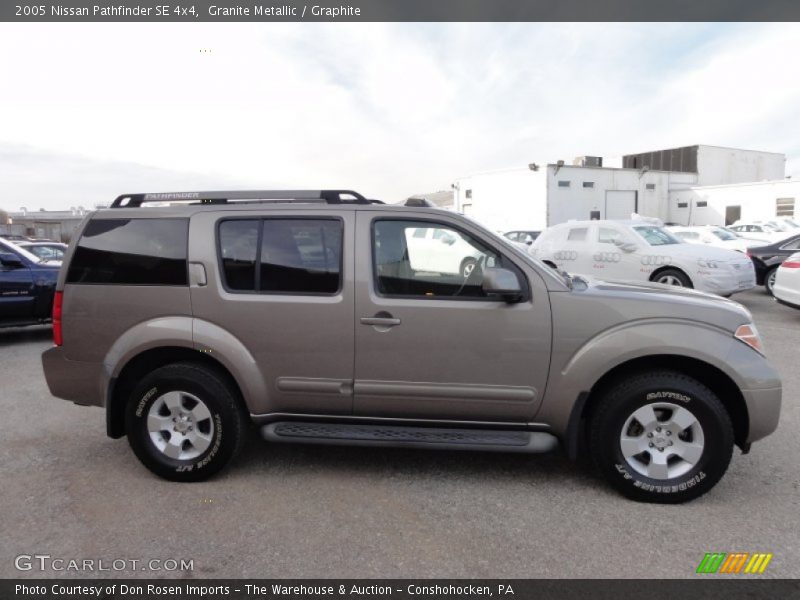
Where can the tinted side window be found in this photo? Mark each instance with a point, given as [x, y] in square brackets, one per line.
[131, 252]
[238, 241]
[793, 245]
[300, 256]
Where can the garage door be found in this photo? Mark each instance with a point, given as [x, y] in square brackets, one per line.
[620, 204]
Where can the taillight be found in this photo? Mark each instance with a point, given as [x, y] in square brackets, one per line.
[749, 254]
[58, 300]
[791, 264]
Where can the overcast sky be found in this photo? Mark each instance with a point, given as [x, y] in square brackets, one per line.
[89, 111]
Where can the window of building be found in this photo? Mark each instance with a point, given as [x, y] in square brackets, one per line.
[577, 234]
[683, 205]
[563, 184]
[131, 252]
[784, 207]
[650, 186]
[468, 194]
[588, 184]
[296, 256]
[448, 267]
[702, 204]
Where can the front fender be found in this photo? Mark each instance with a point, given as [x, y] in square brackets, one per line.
[576, 370]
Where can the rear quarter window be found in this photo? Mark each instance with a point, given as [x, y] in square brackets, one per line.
[131, 252]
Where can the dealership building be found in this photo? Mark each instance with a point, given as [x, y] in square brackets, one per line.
[693, 185]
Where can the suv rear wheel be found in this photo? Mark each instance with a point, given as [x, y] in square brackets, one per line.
[183, 422]
[661, 437]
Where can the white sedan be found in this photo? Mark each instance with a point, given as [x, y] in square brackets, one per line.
[760, 230]
[786, 288]
[716, 236]
[638, 250]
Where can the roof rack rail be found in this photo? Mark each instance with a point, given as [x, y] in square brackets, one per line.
[223, 197]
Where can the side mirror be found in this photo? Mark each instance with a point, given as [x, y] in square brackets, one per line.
[501, 282]
[11, 260]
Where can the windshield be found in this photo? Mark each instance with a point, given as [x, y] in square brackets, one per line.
[724, 234]
[656, 236]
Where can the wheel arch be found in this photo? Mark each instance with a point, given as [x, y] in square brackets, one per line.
[121, 386]
[714, 378]
[660, 270]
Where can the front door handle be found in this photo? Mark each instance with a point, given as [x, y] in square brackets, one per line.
[382, 319]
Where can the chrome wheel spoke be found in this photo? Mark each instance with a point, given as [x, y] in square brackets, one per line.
[174, 446]
[632, 446]
[173, 400]
[683, 419]
[689, 451]
[658, 468]
[200, 412]
[646, 416]
[158, 423]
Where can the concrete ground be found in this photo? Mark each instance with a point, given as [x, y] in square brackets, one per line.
[313, 511]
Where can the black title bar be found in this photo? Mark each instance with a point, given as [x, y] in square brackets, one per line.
[399, 10]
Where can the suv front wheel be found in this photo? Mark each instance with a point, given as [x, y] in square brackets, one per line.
[183, 422]
[661, 437]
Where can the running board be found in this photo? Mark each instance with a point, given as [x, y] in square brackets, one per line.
[346, 434]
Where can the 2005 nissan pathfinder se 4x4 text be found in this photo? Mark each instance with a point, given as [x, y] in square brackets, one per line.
[324, 317]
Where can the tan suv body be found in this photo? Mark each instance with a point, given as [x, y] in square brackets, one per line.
[323, 318]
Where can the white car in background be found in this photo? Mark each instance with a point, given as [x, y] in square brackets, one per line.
[786, 288]
[760, 230]
[441, 251]
[644, 251]
[715, 236]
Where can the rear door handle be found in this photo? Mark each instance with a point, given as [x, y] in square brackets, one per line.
[382, 319]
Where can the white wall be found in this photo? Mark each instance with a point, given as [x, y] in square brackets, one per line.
[504, 200]
[578, 202]
[722, 166]
[758, 201]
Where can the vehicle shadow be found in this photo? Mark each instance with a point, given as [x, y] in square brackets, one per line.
[22, 335]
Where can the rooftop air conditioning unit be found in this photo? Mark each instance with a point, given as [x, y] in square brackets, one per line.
[588, 161]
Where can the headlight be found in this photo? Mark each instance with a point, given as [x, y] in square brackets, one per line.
[749, 335]
[707, 263]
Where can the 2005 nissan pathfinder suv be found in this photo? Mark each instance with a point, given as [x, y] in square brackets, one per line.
[324, 317]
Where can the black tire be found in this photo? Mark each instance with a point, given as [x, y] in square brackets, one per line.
[769, 280]
[677, 274]
[468, 263]
[664, 388]
[226, 424]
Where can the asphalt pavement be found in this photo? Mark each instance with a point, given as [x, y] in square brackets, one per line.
[70, 492]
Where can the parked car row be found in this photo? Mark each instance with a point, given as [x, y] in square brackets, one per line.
[705, 257]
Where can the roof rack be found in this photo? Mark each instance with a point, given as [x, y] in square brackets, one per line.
[223, 197]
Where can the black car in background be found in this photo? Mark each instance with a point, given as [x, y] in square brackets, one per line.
[27, 286]
[767, 259]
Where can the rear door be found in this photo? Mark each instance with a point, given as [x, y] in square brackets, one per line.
[281, 283]
[430, 344]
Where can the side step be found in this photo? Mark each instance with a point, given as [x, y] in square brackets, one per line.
[347, 434]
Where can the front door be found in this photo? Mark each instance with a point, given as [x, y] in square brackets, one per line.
[429, 343]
